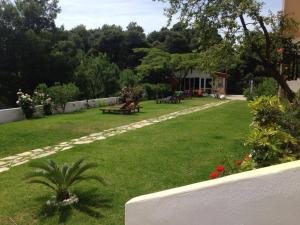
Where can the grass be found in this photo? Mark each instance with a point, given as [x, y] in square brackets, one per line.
[166, 155]
[30, 134]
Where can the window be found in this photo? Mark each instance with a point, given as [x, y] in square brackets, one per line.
[196, 83]
[202, 83]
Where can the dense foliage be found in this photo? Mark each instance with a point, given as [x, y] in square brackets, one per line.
[243, 23]
[274, 136]
[33, 50]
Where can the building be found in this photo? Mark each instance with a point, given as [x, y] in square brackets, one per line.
[199, 83]
[292, 8]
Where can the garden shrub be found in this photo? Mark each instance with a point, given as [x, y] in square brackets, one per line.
[272, 138]
[62, 94]
[154, 91]
[266, 87]
[132, 93]
[267, 110]
[26, 103]
[61, 179]
[128, 78]
[41, 97]
[270, 145]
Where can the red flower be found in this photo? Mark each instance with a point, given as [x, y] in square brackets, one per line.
[280, 50]
[214, 175]
[220, 169]
[247, 158]
[238, 162]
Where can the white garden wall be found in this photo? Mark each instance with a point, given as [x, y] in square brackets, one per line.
[269, 196]
[15, 114]
[294, 85]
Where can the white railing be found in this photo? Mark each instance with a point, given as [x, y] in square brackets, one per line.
[269, 196]
[16, 114]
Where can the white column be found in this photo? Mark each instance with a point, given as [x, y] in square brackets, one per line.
[204, 83]
[199, 83]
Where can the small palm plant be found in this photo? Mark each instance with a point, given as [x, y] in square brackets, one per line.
[49, 174]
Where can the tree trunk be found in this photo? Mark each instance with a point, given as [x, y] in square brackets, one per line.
[283, 84]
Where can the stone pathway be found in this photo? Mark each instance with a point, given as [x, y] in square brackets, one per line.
[19, 159]
[236, 97]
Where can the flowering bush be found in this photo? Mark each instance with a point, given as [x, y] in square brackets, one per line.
[26, 103]
[132, 93]
[45, 100]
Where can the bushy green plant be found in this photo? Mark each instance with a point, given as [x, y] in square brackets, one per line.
[61, 179]
[267, 110]
[26, 103]
[154, 91]
[266, 87]
[272, 138]
[132, 93]
[270, 145]
[41, 97]
[128, 78]
[62, 94]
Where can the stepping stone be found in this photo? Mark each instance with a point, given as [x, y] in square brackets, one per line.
[100, 138]
[83, 142]
[96, 134]
[25, 154]
[19, 163]
[43, 155]
[3, 169]
[37, 150]
[3, 163]
[66, 148]
[10, 158]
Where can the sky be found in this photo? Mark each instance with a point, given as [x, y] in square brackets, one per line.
[148, 14]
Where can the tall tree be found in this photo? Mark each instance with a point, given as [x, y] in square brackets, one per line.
[230, 16]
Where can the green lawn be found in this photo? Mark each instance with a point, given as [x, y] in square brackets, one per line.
[166, 155]
[30, 134]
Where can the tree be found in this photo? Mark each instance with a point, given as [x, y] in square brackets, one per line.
[183, 64]
[28, 34]
[111, 43]
[62, 94]
[134, 38]
[128, 78]
[230, 16]
[155, 67]
[97, 77]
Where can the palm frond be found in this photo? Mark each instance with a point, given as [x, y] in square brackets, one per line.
[64, 169]
[80, 171]
[41, 165]
[43, 183]
[73, 169]
[89, 177]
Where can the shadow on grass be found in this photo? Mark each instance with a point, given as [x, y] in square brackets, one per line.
[90, 203]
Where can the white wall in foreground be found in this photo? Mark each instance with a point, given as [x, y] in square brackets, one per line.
[16, 114]
[269, 196]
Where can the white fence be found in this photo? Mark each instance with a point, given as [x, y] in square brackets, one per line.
[16, 114]
[269, 196]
